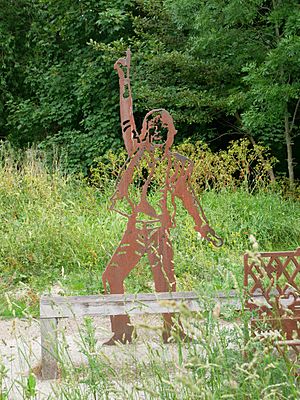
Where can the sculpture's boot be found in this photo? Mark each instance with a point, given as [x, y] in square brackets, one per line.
[169, 324]
[123, 331]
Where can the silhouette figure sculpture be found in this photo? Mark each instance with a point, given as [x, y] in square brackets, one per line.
[150, 200]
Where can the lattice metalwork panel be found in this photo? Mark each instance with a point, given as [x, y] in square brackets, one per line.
[275, 276]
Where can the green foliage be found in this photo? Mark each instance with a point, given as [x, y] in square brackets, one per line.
[15, 22]
[241, 165]
[222, 68]
[233, 69]
[73, 100]
[107, 168]
[30, 391]
[3, 387]
[48, 207]
[274, 86]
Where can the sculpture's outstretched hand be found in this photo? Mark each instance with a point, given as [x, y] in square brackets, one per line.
[123, 62]
[129, 133]
[210, 235]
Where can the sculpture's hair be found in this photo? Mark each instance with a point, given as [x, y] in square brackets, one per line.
[158, 120]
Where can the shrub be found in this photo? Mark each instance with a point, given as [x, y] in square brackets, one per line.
[241, 165]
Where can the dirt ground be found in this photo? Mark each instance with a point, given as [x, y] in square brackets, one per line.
[20, 349]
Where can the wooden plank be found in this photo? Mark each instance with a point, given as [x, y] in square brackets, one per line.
[49, 348]
[150, 303]
[293, 342]
[290, 253]
[62, 307]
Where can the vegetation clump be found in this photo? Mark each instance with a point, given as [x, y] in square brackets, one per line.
[57, 230]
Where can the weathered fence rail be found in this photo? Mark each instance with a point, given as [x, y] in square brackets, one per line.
[118, 304]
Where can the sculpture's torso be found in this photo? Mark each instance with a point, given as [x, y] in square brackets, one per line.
[151, 180]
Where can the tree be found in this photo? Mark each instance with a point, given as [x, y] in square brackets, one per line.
[222, 68]
[253, 49]
[73, 101]
[15, 21]
[274, 85]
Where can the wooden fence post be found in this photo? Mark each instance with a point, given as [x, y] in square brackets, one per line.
[49, 345]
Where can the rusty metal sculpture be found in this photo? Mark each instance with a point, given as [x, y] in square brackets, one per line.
[150, 218]
[275, 276]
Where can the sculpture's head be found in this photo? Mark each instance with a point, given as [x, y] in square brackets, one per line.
[158, 129]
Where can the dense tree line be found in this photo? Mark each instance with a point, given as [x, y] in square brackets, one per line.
[223, 68]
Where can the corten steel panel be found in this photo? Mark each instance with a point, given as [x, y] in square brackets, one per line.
[276, 275]
[150, 181]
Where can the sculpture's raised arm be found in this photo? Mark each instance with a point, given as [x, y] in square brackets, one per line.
[130, 135]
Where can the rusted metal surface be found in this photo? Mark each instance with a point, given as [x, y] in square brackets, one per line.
[151, 180]
[275, 275]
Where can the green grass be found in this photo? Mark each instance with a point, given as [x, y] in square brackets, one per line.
[57, 231]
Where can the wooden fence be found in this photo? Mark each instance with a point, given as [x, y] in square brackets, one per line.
[53, 308]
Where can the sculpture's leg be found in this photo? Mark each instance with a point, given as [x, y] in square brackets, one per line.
[160, 256]
[125, 258]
